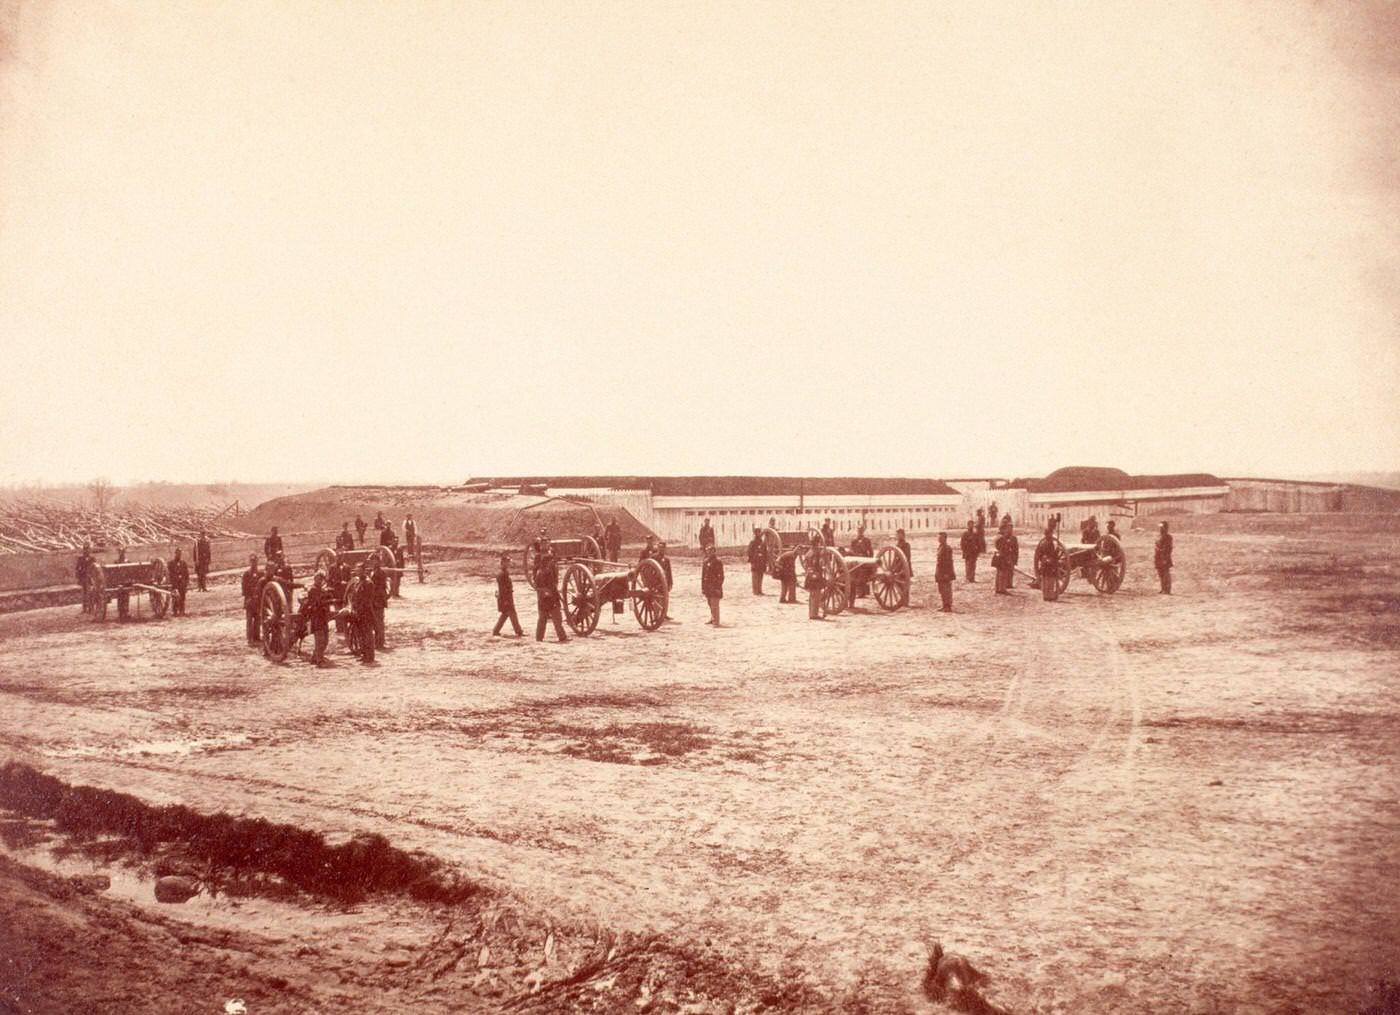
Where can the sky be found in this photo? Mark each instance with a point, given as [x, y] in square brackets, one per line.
[410, 242]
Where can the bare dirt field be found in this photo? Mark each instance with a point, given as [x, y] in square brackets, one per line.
[1121, 803]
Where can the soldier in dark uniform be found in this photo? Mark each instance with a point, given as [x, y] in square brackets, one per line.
[123, 596]
[410, 533]
[272, 545]
[787, 577]
[828, 533]
[547, 595]
[379, 521]
[707, 533]
[661, 558]
[179, 574]
[614, 534]
[380, 583]
[86, 562]
[396, 578]
[386, 532]
[1089, 531]
[860, 547]
[712, 582]
[345, 540]
[1113, 531]
[252, 585]
[362, 613]
[316, 608]
[360, 527]
[1007, 553]
[944, 572]
[971, 546]
[505, 599]
[758, 560]
[202, 556]
[992, 514]
[906, 549]
[816, 585]
[1162, 558]
[649, 550]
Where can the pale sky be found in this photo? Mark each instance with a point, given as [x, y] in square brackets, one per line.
[273, 240]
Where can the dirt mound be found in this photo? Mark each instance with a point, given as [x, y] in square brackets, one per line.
[444, 515]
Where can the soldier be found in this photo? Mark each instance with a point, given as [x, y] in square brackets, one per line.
[379, 521]
[1113, 531]
[992, 514]
[362, 614]
[86, 562]
[816, 603]
[601, 538]
[787, 577]
[649, 550]
[906, 549]
[970, 544]
[360, 527]
[505, 599]
[707, 533]
[396, 578]
[123, 595]
[272, 545]
[860, 547]
[944, 572]
[179, 573]
[202, 556]
[614, 539]
[547, 595]
[712, 582]
[758, 560]
[380, 581]
[1046, 556]
[1007, 553]
[410, 533]
[344, 540]
[828, 532]
[282, 574]
[252, 584]
[1162, 558]
[316, 608]
[1089, 531]
[661, 558]
[387, 537]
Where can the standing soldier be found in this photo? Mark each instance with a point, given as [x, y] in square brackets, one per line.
[360, 527]
[202, 557]
[379, 522]
[123, 596]
[758, 560]
[1113, 531]
[362, 613]
[86, 562]
[344, 540]
[396, 579]
[648, 551]
[828, 532]
[1004, 561]
[1046, 564]
[614, 534]
[547, 595]
[1162, 558]
[282, 574]
[316, 608]
[272, 545]
[787, 576]
[505, 599]
[386, 532]
[252, 584]
[665, 562]
[992, 514]
[816, 605]
[707, 533]
[860, 547]
[906, 549]
[712, 582]
[944, 572]
[1089, 531]
[380, 581]
[970, 545]
[410, 533]
[179, 572]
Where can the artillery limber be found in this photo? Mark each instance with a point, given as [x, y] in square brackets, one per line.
[1103, 564]
[127, 580]
[845, 577]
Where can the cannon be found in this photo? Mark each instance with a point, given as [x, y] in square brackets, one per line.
[886, 574]
[582, 548]
[1103, 564]
[329, 558]
[114, 581]
[586, 584]
[282, 625]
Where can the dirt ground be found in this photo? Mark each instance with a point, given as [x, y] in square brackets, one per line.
[1110, 803]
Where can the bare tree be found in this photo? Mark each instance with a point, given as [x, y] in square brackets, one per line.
[102, 493]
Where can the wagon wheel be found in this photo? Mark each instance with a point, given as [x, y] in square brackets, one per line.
[890, 582]
[97, 589]
[650, 597]
[383, 556]
[772, 550]
[325, 560]
[591, 549]
[579, 595]
[532, 556]
[836, 581]
[275, 616]
[1111, 565]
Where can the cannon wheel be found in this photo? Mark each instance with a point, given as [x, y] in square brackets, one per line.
[772, 550]
[1112, 565]
[97, 589]
[158, 602]
[532, 555]
[890, 582]
[650, 597]
[275, 616]
[591, 548]
[578, 594]
[325, 560]
[836, 581]
[1051, 574]
[352, 623]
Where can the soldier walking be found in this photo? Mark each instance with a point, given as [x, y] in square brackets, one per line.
[758, 560]
[944, 572]
[971, 546]
[816, 585]
[86, 562]
[712, 582]
[505, 599]
[547, 595]
[202, 556]
[1162, 558]
[179, 573]
[252, 584]
[316, 609]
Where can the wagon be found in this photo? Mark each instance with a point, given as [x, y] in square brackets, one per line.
[1103, 564]
[129, 578]
[886, 574]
